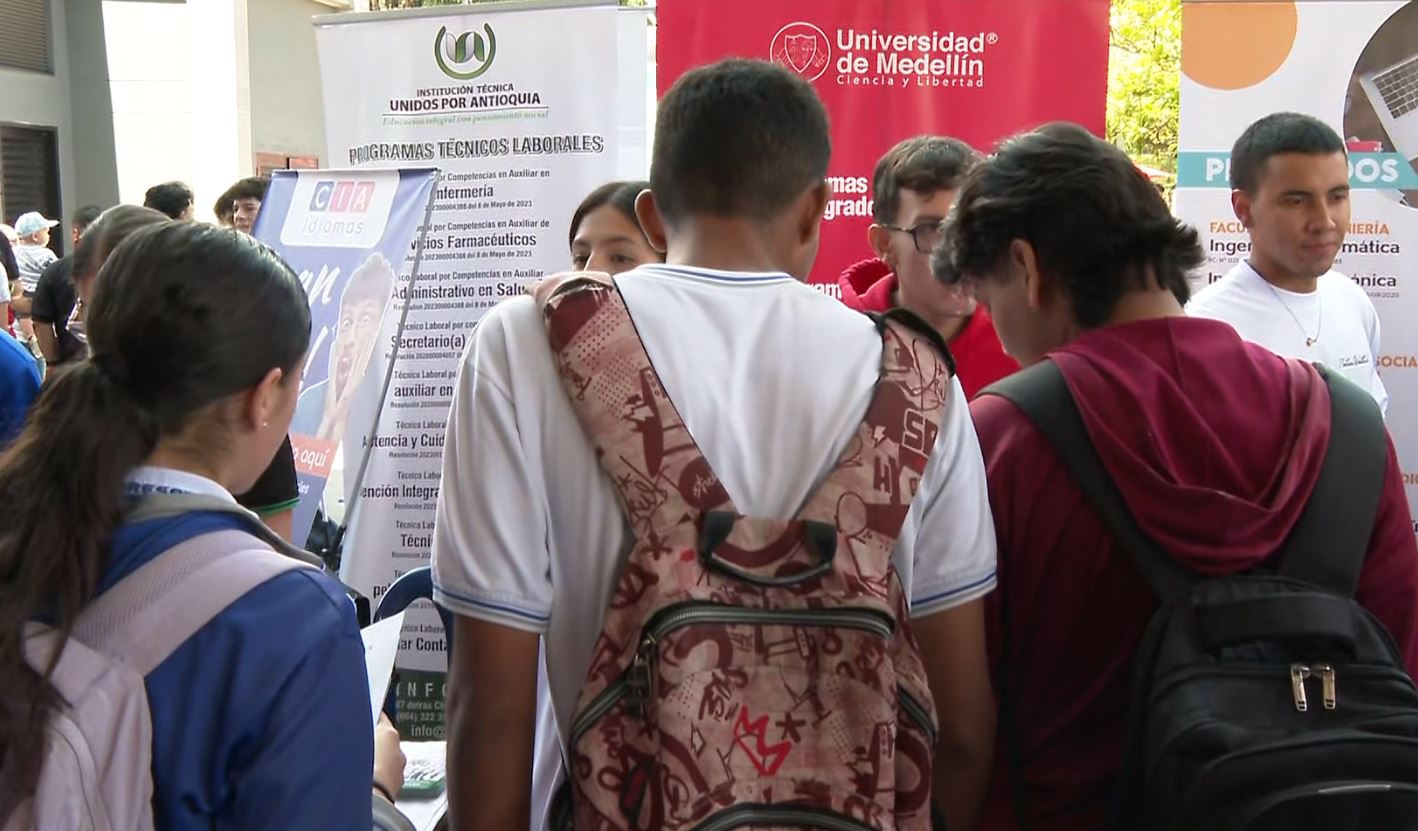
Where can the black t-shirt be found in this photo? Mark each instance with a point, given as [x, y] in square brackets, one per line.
[277, 490]
[54, 299]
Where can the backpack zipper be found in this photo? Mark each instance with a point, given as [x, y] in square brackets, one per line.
[692, 612]
[1151, 773]
[640, 677]
[917, 712]
[1274, 672]
[597, 709]
[1299, 673]
[1329, 685]
[1377, 786]
[780, 815]
[1327, 674]
[1208, 772]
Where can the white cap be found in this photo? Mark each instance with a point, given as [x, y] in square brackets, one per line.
[32, 223]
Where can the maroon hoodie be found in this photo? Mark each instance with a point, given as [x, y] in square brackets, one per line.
[1215, 445]
[980, 360]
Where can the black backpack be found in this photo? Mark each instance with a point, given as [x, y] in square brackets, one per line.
[1263, 700]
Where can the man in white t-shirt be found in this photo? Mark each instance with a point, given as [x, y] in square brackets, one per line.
[1290, 188]
[770, 377]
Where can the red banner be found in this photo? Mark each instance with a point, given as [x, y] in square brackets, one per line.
[887, 71]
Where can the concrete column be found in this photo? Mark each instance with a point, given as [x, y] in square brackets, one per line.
[221, 98]
[149, 48]
[94, 177]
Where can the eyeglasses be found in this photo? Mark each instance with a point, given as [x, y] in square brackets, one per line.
[926, 236]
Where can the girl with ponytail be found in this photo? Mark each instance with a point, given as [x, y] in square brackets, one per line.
[197, 336]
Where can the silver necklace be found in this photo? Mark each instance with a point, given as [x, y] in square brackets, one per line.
[1319, 317]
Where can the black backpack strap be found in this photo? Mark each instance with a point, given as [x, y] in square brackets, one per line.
[1041, 392]
[1327, 545]
[917, 324]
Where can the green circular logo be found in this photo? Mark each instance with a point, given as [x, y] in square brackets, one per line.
[466, 56]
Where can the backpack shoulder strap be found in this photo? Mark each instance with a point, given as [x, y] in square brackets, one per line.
[881, 468]
[1042, 394]
[165, 505]
[1327, 546]
[911, 325]
[641, 441]
[150, 613]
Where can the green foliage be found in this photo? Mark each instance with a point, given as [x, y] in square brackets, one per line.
[1144, 80]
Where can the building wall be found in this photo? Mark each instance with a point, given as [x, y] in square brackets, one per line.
[200, 88]
[145, 91]
[86, 154]
[287, 113]
[220, 98]
[95, 170]
[149, 75]
[177, 76]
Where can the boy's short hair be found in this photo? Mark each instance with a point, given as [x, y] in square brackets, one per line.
[739, 138]
[224, 207]
[252, 187]
[172, 198]
[85, 216]
[1273, 135]
[1096, 223]
[924, 164]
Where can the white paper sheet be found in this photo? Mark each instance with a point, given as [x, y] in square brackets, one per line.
[381, 645]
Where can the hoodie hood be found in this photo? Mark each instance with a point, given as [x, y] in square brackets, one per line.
[868, 286]
[1214, 443]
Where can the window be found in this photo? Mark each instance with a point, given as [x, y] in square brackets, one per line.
[24, 35]
[267, 163]
[29, 174]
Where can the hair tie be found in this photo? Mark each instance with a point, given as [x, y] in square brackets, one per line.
[114, 368]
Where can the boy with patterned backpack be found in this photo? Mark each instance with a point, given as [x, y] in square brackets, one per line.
[749, 522]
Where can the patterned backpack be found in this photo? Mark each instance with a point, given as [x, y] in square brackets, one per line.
[750, 672]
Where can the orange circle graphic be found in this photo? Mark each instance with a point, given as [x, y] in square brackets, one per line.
[1233, 45]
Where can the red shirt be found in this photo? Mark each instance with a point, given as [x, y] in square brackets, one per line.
[1216, 445]
[980, 360]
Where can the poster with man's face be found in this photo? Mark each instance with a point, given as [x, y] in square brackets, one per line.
[348, 234]
[324, 405]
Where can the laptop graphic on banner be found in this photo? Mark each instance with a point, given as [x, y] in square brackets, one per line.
[1394, 93]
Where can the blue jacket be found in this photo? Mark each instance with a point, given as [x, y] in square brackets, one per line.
[19, 386]
[260, 720]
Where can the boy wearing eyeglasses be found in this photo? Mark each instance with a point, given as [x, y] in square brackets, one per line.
[914, 186]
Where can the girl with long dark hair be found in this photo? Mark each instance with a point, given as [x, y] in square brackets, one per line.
[259, 720]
